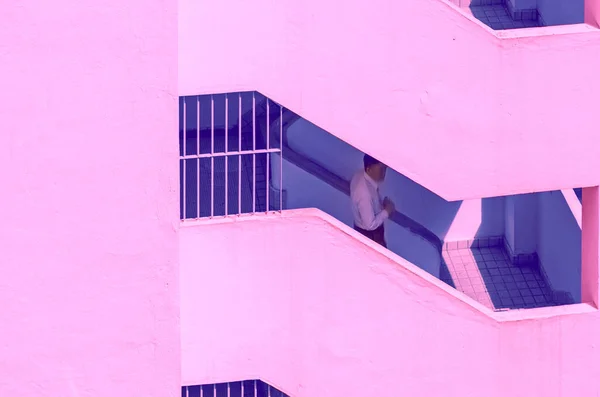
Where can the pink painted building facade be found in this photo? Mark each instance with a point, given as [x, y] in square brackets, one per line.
[114, 287]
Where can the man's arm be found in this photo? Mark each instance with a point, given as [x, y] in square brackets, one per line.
[370, 220]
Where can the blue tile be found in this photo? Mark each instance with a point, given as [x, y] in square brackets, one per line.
[514, 293]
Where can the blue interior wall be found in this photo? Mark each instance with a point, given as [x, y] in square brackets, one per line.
[559, 243]
[561, 12]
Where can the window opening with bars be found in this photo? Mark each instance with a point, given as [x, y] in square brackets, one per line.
[246, 388]
[229, 145]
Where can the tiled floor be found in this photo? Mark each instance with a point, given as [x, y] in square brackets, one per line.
[486, 275]
[498, 18]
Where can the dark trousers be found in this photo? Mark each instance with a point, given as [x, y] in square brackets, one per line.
[377, 235]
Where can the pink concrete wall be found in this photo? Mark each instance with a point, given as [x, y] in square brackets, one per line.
[590, 236]
[89, 204]
[592, 12]
[309, 320]
[416, 83]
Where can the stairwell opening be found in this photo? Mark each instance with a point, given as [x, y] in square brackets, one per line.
[243, 154]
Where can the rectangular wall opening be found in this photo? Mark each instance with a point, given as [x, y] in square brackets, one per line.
[241, 153]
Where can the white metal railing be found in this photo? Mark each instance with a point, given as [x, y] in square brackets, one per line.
[247, 388]
[248, 166]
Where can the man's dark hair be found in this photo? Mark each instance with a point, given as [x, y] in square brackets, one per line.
[369, 161]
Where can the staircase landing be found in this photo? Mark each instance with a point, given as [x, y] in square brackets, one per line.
[488, 276]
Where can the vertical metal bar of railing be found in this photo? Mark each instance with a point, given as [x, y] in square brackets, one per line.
[253, 153]
[184, 153]
[280, 158]
[239, 157]
[212, 158]
[226, 151]
[268, 156]
[198, 153]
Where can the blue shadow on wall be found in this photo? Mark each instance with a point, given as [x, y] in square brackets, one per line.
[559, 245]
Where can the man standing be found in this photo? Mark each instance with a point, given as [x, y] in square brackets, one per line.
[368, 209]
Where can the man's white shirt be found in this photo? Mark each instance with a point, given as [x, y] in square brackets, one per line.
[367, 206]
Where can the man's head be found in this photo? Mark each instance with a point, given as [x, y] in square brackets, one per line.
[374, 168]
